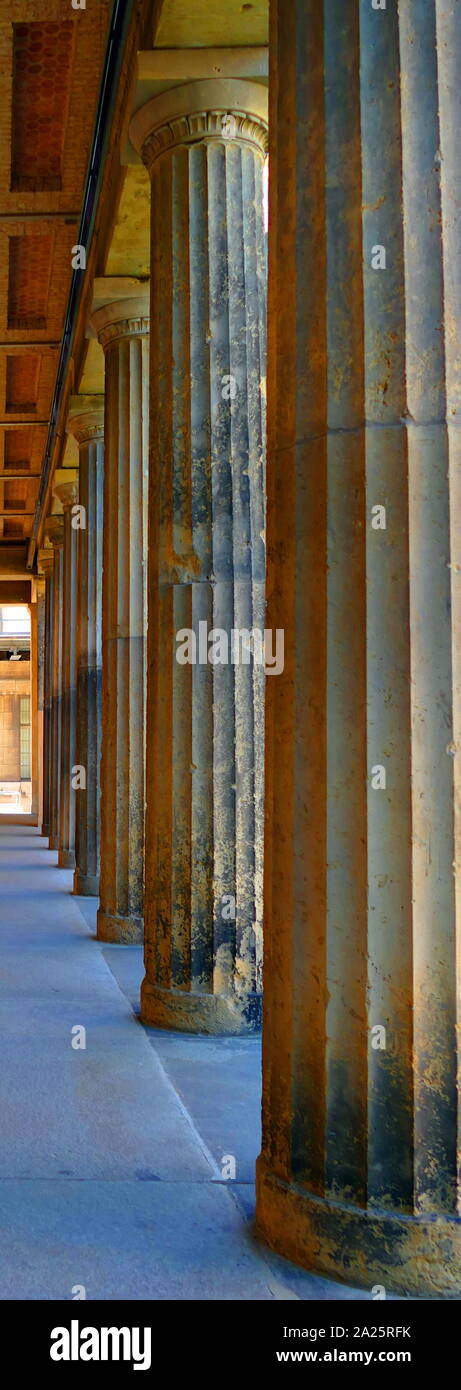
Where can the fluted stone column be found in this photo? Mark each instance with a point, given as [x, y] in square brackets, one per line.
[67, 493]
[358, 1176]
[46, 559]
[86, 423]
[204, 145]
[123, 329]
[34, 706]
[40, 588]
[55, 532]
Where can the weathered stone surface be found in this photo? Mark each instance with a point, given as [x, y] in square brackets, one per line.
[358, 1173]
[204, 145]
[86, 423]
[67, 494]
[122, 327]
[46, 564]
[54, 528]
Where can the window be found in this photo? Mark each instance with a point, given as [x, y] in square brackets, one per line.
[14, 620]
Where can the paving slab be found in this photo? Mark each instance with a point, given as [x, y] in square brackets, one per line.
[111, 1155]
[102, 1111]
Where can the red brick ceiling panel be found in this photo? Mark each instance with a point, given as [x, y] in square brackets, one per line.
[22, 376]
[42, 64]
[30, 260]
[26, 382]
[15, 496]
[18, 448]
[13, 528]
[50, 66]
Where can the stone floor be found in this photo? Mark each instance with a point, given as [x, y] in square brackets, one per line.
[113, 1157]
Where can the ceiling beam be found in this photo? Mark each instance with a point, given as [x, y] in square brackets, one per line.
[37, 216]
[188, 64]
[29, 343]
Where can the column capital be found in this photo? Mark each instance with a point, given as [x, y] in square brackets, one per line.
[67, 493]
[54, 530]
[120, 309]
[227, 110]
[85, 420]
[46, 561]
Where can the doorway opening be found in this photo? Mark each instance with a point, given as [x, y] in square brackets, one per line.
[15, 711]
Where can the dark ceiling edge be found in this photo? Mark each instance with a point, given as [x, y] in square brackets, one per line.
[111, 71]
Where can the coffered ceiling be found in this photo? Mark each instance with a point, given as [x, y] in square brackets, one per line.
[51, 61]
[51, 58]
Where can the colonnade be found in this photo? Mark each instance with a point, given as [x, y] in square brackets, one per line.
[359, 1170]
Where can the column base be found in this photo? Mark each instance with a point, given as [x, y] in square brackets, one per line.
[66, 859]
[45, 831]
[85, 885]
[53, 842]
[187, 1012]
[417, 1255]
[126, 930]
